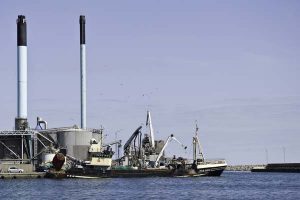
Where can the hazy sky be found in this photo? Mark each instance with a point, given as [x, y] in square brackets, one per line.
[231, 65]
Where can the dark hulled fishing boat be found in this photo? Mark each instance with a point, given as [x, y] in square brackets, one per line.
[143, 157]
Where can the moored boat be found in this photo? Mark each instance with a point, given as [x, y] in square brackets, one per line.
[204, 167]
[144, 157]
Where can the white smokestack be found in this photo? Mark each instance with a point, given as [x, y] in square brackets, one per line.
[22, 72]
[82, 71]
[22, 67]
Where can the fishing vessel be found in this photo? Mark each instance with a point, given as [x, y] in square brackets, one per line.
[144, 157]
[205, 167]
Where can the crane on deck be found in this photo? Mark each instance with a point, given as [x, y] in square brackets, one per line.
[132, 138]
[170, 138]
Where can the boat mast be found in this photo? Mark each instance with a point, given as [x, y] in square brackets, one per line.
[149, 123]
[194, 149]
[196, 143]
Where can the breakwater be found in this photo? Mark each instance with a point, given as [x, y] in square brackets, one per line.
[242, 167]
[279, 167]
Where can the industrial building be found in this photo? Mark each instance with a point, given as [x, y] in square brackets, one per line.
[27, 147]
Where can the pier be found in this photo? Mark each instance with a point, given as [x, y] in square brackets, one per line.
[31, 175]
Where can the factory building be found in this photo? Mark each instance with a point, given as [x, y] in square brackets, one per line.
[30, 146]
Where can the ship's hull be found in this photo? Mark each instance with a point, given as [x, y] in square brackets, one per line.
[211, 169]
[215, 171]
[120, 173]
[134, 173]
[203, 171]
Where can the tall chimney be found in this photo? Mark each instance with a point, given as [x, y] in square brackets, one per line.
[21, 119]
[82, 71]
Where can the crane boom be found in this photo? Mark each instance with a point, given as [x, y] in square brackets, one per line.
[185, 147]
[134, 135]
[163, 149]
[170, 138]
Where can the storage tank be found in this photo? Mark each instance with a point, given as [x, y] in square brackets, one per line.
[76, 142]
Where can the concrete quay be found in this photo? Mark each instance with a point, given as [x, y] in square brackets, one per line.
[31, 175]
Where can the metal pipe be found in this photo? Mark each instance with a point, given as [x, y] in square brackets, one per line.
[40, 121]
[22, 67]
[22, 147]
[82, 71]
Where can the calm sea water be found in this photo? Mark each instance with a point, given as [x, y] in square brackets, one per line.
[231, 185]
